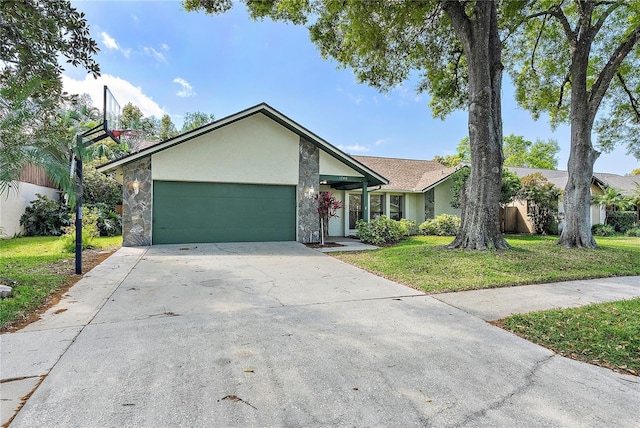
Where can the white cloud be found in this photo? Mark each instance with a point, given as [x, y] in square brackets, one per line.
[122, 90]
[154, 53]
[356, 148]
[187, 89]
[109, 41]
[380, 142]
[164, 46]
[134, 17]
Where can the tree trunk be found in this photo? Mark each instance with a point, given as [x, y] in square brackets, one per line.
[577, 194]
[480, 196]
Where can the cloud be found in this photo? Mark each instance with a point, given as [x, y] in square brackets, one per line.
[154, 53]
[121, 89]
[187, 89]
[356, 148]
[164, 46]
[380, 142]
[134, 17]
[109, 41]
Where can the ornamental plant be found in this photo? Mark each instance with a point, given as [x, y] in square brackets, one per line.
[327, 209]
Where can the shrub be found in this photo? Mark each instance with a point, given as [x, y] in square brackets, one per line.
[45, 217]
[442, 225]
[89, 231]
[634, 231]
[602, 230]
[409, 227]
[379, 231]
[98, 188]
[621, 220]
[542, 203]
[108, 221]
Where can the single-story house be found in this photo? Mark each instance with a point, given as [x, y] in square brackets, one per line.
[251, 176]
[13, 201]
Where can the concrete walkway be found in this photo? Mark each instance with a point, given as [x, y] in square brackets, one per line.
[281, 335]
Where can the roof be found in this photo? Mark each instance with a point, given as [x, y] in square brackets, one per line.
[408, 175]
[626, 184]
[373, 177]
[556, 177]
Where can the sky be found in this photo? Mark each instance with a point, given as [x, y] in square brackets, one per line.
[168, 61]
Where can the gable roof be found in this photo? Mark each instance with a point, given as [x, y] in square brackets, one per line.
[408, 175]
[373, 177]
[627, 184]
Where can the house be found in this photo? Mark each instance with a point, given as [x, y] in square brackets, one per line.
[13, 201]
[250, 176]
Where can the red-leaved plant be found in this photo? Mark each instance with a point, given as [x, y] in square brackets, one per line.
[327, 209]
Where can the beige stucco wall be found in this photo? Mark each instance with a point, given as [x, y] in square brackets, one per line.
[331, 166]
[13, 204]
[253, 150]
[442, 199]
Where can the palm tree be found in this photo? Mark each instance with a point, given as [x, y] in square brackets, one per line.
[613, 200]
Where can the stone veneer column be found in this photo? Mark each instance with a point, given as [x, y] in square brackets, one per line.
[136, 208]
[308, 186]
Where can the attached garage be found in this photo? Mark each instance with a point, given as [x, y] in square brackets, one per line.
[222, 212]
[249, 177]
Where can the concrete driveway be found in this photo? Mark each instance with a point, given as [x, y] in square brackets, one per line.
[280, 335]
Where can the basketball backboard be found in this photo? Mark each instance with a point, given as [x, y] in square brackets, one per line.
[111, 114]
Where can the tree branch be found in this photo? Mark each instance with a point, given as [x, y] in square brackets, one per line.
[535, 47]
[459, 19]
[632, 100]
[612, 7]
[556, 12]
[567, 80]
[601, 84]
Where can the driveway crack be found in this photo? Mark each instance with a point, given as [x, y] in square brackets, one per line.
[529, 381]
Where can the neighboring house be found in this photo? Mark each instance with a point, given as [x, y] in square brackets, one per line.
[250, 176]
[13, 202]
[515, 218]
[628, 185]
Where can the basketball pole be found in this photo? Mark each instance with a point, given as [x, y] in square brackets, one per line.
[79, 195]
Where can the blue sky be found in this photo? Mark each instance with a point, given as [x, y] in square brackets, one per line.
[166, 60]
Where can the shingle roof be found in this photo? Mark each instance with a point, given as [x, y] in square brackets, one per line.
[627, 184]
[410, 175]
[556, 177]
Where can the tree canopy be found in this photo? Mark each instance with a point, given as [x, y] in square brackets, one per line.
[196, 119]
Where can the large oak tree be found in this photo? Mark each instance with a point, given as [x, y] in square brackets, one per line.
[454, 44]
[570, 59]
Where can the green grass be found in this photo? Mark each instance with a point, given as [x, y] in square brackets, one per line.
[606, 334]
[38, 266]
[423, 263]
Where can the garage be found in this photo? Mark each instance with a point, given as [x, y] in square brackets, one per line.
[191, 212]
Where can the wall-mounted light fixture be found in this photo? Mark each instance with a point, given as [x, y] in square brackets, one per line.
[136, 186]
[309, 192]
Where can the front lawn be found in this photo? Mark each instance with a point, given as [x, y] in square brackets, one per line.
[606, 334]
[40, 270]
[421, 262]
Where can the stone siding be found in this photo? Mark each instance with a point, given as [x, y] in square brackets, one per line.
[136, 208]
[308, 186]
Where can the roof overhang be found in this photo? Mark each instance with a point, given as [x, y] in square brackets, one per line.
[372, 178]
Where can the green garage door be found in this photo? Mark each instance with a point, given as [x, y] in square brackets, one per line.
[186, 212]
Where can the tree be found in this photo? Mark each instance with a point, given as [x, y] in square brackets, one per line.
[196, 120]
[35, 35]
[542, 202]
[457, 47]
[613, 200]
[635, 171]
[519, 152]
[167, 128]
[130, 116]
[570, 58]
[509, 187]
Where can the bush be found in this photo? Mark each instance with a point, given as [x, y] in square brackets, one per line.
[45, 217]
[379, 231]
[409, 227]
[634, 231]
[602, 230]
[98, 188]
[108, 221]
[442, 225]
[622, 220]
[89, 231]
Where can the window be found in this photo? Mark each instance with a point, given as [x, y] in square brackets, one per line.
[429, 204]
[376, 202]
[396, 206]
[355, 210]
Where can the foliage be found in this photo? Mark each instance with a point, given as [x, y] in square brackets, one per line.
[602, 230]
[634, 231]
[89, 231]
[509, 187]
[622, 220]
[328, 207]
[409, 227]
[519, 152]
[45, 217]
[98, 188]
[40, 270]
[196, 120]
[424, 263]
[167, 128]
[606, 334]
[442, 225]
[108, 221]
[635, 171]
[542, 202]
[379, 231]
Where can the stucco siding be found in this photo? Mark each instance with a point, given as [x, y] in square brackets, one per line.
[332, 166]
[254, 150]
[13, 204]
[442, 199]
